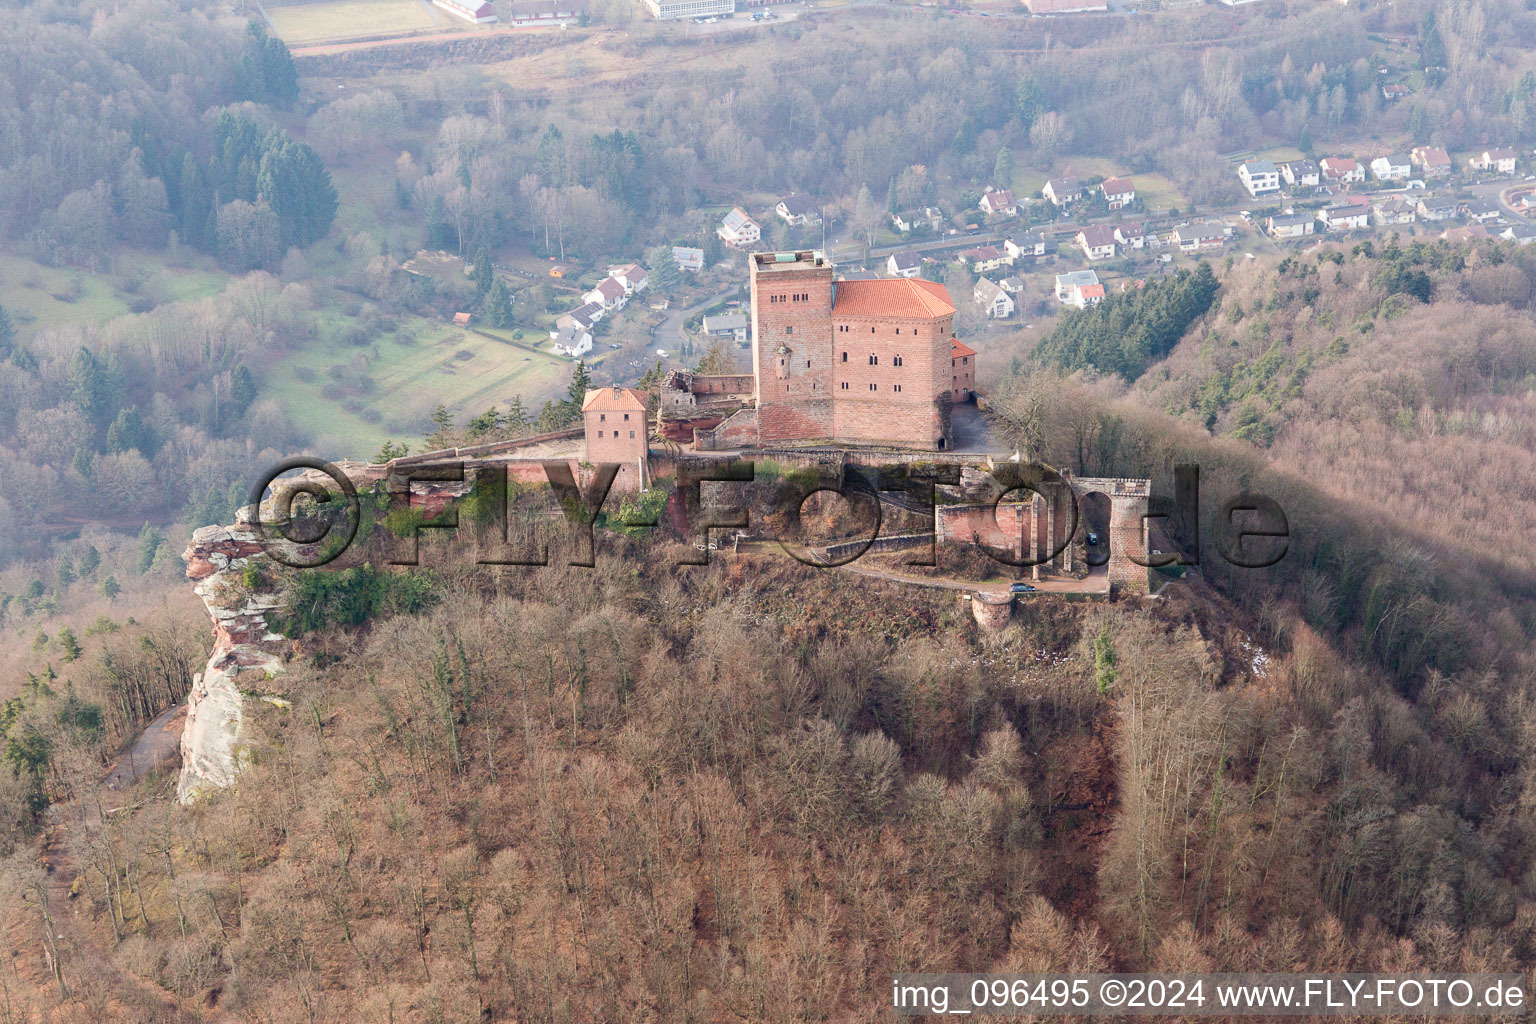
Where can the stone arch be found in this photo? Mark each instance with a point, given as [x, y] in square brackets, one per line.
[1127, 527]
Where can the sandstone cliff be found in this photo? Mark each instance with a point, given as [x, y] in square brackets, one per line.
[246, 652]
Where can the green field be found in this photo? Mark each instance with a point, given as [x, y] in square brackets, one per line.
[338, 20]
[350, 399]
[40, 297]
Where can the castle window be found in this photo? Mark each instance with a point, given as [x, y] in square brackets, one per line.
[789, 330]
[632, 433]
[845, 357]
[845, 385]
[896, 387]
[807, 364]
[602, 417]
[599, 433]
[872, 387]
[898, 360]
[871, 330]
[874, 360]
[626, 417]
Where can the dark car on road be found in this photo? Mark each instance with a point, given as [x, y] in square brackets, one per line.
[1020, 588]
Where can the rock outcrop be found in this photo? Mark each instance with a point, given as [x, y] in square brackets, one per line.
[246, 652]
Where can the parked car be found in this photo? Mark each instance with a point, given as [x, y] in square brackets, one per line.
[1020, 588]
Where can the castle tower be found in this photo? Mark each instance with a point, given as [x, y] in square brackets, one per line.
[615, 422]
[791, 295]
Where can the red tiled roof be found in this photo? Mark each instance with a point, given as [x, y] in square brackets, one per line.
[958, 348]
[904, 297]
[610, 399]
[1092, 290]
[1117, 186]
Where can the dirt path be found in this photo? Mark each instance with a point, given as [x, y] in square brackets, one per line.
[1096, 583]
[159, 742]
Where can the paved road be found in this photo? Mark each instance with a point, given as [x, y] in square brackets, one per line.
[669, 333]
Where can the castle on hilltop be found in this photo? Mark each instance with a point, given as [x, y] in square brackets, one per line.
[836, 362]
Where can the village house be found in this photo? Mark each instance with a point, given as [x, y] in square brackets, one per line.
[631, 275]
[1525, 234]
[1482, 211]
[1437, 208]
[856, 274]
[1465, 233]
[995, 302]
[904, 264]
[983, 258]
[1342, 170]
[1097, 241]
[1345, 216]
[572, 341]
[998, 202]
[1433, 161]
[1392, 167]
[582, 317]
[930, 218]
[1290, 225]
[688, 258]
[727, 325]
[1118, 192]
[1259, 177]
[1394, 210]
[673, 10]
[1062, 191]
[1393, 91]
[470, 10]
[1080, 288]
[962, 371]
[1032, 246]
[523, 12]
[1012, 285]
[1301, 173]
[1199, 236]
[608, 294]
[1502, 160]
[797, 210]
[738, 230]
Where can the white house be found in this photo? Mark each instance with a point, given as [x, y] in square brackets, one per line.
[1301, 173]
[1525, 234]
[1077, 288]
[928, 217]
[1290, 225]
[688, 258]
[727, 325]
[1259, 177]
[797, 210]
[738, 230]
[1345, 216]
[1131, 234]
[1199, 237]
[1503, 160]
[1097, 241]
[1062, 191]
[631, 275]
[1031, 246]
[470, 10]
[997, 303]
[608, 294]
[904, 264]
[1480, 211]
[1345, 170]
[573, 341]
[1395, 210]
[1392, 167]
[1436, 208]
[999, 202]
[671, 10]
[1118, 192]
[1432, 160]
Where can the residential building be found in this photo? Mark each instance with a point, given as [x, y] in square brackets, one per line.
[1525, 234]
[1079, 288]
[1301, 173]
[1345, 216]
[1118, 192]
[739, 230]
[688, 258]
[462, 319]
[1097, 241]
[572, 341]
[1393, 91]
[1200, 236]
[1437, 208]
[995, 302]
[470, 10]
[1342, 170]
[904, 264]
[671, 10]
[797, 210]
[631, 275]
[999, 202]
[1467, 233]
[1433, 161]
[855, 274]
[1012, 285]
[1062, 191]
[1065, 6]
[615, 423]
[1394, 210]
[608, 294]
[582, 317]
[1259, 177]
[1131, 234]
[929, 218]
[962, 371]
[1032, 246]
[1503, 160]
[984, 258]
[1392, 167]
[1290, 225]
[1482, 211]
[727, 325]
[549, 12]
